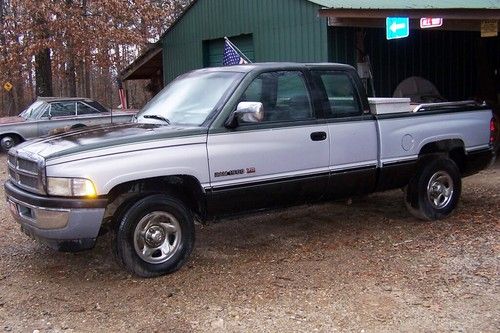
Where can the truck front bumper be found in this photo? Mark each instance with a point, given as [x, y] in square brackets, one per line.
[65, 224]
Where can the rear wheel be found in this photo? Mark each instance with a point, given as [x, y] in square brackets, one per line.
[434, 192]
[155, 236]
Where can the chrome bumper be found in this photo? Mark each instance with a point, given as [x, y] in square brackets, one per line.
[63, 224]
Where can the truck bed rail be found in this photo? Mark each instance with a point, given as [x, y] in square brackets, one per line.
[446, 105]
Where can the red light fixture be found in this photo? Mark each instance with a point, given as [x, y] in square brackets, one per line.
[493, 131]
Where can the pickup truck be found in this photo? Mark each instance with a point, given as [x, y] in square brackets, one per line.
[47, 114]
[233, 140]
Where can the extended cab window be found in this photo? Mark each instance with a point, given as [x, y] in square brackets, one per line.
[342, 97]
[284, 95]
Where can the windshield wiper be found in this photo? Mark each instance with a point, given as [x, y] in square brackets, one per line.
[155, 116]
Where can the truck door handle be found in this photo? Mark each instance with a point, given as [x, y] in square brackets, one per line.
[318, 136]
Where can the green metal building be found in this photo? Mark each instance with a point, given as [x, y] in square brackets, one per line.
[454, 57]
[265, 30]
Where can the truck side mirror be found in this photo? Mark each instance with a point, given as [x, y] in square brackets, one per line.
[248, 112]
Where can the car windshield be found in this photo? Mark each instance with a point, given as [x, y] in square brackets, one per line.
[189, 99]
[33, 110]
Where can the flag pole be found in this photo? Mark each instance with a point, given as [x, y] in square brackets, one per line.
[237, 50]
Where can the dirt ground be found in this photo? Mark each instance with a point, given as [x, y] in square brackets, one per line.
[363, 266]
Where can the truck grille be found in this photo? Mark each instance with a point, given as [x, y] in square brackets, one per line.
[26, 172]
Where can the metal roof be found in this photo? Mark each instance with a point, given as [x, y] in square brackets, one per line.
[408, 4]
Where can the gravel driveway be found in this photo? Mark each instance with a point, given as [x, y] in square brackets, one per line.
[363, 265]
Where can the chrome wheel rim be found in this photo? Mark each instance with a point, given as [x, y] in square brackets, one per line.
[440, 189]
[157, 237]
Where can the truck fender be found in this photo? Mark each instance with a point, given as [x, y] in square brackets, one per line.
[454, 148]
[186, 188]
[441, 143]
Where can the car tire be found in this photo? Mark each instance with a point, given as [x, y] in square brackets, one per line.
[155, 236]
[435, 190]
[9, 141]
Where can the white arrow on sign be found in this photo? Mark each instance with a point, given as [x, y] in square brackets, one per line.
[396, 26]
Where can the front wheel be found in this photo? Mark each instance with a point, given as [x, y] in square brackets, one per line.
[155, 236]
[9, 141]
[435, 190]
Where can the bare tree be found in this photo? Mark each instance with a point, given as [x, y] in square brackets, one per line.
[77, 46]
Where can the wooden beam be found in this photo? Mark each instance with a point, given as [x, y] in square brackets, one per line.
[448, 25]
[457, 14]
[142, 61]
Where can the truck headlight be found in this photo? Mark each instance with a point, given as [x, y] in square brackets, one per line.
[70, 187]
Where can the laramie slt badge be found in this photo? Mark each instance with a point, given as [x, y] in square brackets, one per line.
[234, 172]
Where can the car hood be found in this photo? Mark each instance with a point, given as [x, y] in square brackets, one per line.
[103, 136]
[11, 120]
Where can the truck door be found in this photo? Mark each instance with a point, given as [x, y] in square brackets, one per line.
[352, 134]
[281, 160]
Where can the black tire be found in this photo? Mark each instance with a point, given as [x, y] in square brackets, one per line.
[8, 141]
[435, 190]
[134, 233]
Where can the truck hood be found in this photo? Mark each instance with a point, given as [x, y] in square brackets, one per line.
[103, 136]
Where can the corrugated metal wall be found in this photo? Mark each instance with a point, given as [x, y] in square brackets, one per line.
[342, 45]
[449, 59]
[283, 30]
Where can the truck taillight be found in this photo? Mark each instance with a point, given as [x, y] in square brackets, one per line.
[493, 131]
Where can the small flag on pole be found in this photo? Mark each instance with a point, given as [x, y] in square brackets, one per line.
[232, 55]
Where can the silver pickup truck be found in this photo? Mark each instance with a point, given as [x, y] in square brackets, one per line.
[47, 114]
[225, 141]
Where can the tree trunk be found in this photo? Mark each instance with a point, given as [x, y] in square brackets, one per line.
[43, 64]
[71, 70]
[31, 85]
[86, 69]
[71, 74]
[1, 10]
[43, 73]
[15, 104]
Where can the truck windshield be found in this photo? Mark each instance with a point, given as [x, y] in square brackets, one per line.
[189, 99]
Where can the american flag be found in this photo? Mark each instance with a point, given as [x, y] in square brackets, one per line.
[231, 56]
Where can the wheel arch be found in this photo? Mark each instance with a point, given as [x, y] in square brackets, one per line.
[453, 148]
[79, 125]
[186, 188]
[14, 134]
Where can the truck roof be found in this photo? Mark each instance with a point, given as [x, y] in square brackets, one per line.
[272, 66]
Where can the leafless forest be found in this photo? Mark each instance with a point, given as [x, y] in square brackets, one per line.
[76, 47]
